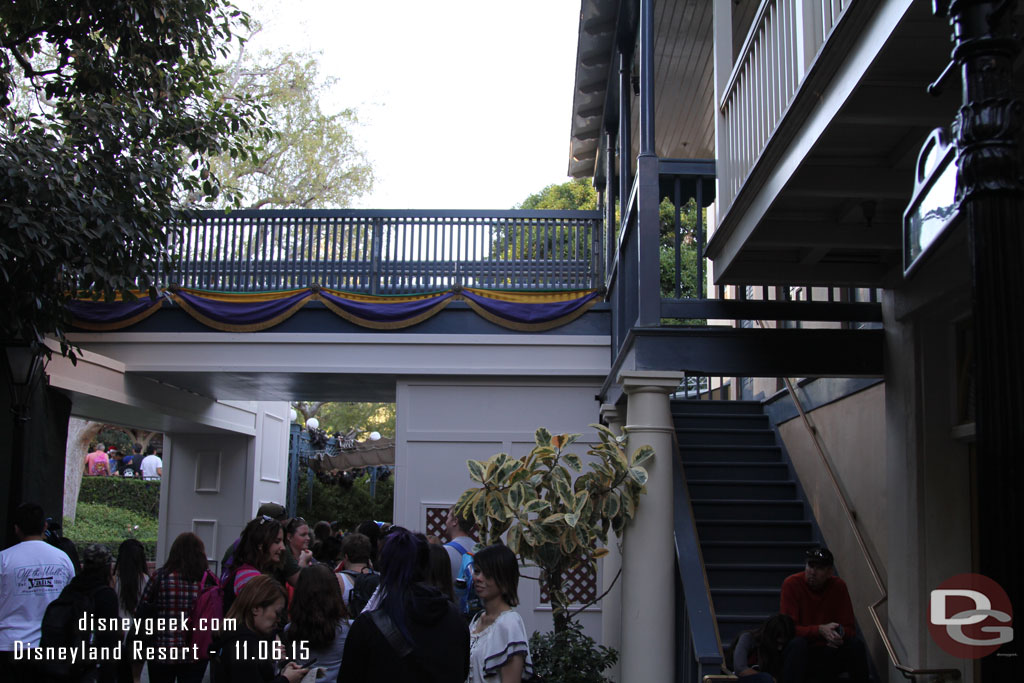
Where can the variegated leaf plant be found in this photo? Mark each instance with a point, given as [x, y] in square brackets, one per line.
[549, 518]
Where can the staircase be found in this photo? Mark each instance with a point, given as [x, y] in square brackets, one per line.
[750, 519]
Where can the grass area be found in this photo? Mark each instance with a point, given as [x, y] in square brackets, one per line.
[97, 523]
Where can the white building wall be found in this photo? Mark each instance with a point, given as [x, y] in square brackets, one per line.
[442, 423]
[213, 483]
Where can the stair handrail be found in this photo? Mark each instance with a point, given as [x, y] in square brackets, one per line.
[908, 672]
[699, 608]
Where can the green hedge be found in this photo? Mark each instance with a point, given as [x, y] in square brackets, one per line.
[135, 495]
[96, 523]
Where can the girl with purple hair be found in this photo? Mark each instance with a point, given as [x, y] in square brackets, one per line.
[415, 634]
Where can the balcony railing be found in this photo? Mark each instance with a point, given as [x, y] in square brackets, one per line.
[784, 39]
[387, 252]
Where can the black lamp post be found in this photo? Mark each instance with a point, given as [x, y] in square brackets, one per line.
[24, 362]
[990, 188]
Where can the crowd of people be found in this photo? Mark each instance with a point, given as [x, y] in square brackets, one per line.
[380, 603]
[104, 462]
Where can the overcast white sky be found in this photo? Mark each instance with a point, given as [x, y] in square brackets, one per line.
[464, 104]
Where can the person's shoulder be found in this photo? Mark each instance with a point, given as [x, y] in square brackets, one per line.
[793, 579]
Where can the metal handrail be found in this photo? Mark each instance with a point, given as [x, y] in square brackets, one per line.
[908, 672]
[697, 594]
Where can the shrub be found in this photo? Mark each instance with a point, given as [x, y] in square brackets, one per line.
[570, 656]
[348, 506]
[135, 495]
[110, 526]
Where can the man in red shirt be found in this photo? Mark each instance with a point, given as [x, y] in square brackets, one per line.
[819, 604]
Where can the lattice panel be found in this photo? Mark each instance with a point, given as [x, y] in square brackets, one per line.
[579, 584]
[433, 525]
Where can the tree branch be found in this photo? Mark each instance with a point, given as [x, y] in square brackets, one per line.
[598, 598]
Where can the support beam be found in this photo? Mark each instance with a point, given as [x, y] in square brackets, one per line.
[648, 616]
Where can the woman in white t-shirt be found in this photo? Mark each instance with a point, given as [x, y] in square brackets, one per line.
[499, 648]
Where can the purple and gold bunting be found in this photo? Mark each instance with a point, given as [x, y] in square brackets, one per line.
[253, 312]
[102, 316]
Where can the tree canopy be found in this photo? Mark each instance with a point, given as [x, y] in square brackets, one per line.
[574, 195]
[313, 160]
[109, 113]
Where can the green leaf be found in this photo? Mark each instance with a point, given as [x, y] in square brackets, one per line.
[612, 504]
[476, 470]
[536, 506]
[464, 500]
[573, 461]
[516, 494]
[542, 437]
[572, 518]
[642, 455]
[496, 508]
[581, 500]
[639, 475]
[512, 540]
[552, 519]
[480, 508]
[562, 490]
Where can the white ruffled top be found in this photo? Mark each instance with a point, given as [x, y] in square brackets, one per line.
[490, 649]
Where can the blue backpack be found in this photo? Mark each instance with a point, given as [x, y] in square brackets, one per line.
[465, 594]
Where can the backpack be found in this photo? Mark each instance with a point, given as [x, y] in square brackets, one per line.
[465, 594]
[59, 628]
[209, 607]
[363, 586]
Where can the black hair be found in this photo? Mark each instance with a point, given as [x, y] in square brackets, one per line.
[327, 551]
[441, 571]
[499, 564]
[404, 560]
[30, 519]
[771, 638]
[130, 568]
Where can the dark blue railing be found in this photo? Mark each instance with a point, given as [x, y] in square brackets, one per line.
[386, 252]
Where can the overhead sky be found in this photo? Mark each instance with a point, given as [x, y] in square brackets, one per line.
[464, 104]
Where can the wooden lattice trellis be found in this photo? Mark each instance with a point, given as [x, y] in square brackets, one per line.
[433, 525]
[580, 585]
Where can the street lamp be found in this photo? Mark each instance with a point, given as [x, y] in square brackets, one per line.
[312, 423]
[24, 362]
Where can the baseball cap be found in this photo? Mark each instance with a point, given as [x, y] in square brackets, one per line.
[274, 510]
[819, 557]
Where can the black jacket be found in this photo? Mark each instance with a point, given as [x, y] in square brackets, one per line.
[238, 659]
[440, 642]
[104, 600]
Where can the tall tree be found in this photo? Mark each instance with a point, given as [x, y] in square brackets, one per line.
[127, 110]
[312, 161]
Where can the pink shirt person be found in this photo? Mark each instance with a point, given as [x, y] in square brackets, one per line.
[97, 464]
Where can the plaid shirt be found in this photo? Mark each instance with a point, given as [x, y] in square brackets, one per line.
[173, 595]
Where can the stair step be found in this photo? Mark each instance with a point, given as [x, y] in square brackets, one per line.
[720, 421]
[749, 575]
[753, 551]
[748, 509]
[726, 437]
[732, 489]
[762, 471]
[734, 407]
[747, 601]
[727, 453]
[747, 530]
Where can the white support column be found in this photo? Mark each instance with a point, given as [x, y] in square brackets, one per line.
[648, 560]
[611, 604]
